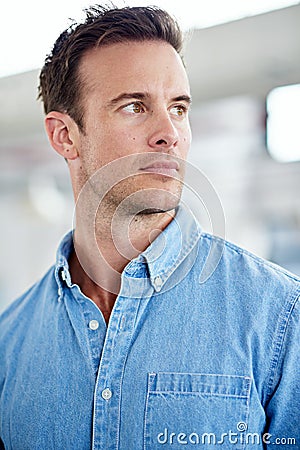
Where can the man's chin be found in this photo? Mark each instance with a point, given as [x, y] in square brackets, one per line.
[156, 202]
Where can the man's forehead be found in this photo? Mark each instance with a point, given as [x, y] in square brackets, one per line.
[133, 65]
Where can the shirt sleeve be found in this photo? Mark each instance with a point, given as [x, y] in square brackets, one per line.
[283, 406]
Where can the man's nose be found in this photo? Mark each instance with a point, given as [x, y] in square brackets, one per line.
[163, 132]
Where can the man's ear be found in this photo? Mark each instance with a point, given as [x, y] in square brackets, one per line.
[63, 134]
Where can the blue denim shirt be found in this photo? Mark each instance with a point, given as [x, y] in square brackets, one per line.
[181, 364]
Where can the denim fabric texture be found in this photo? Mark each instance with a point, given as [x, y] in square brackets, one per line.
[182, 364]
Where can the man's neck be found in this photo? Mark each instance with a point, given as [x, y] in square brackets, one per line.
[100, 257]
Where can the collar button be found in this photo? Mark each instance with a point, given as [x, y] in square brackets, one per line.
[157, 282]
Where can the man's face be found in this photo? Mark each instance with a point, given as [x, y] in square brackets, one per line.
[135, 101]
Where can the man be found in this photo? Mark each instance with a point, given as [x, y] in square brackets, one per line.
[120, 346]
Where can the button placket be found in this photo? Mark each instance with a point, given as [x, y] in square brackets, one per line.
[111, 369]
[94, 330]
[113, 359]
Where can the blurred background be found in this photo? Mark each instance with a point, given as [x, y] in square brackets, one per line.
[244, 67]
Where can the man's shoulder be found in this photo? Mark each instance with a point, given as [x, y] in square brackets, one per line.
[240, 262]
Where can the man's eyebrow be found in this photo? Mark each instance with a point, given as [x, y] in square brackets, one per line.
[143, 96]
[129, 96]
[182, 98]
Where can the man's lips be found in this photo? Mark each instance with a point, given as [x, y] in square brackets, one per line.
[169, 168]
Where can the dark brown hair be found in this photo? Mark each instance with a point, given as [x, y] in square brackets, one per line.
[60, 85]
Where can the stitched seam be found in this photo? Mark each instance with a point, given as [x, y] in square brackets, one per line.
[279, 339]
[246, 377]
[257, 259]
[197, 393]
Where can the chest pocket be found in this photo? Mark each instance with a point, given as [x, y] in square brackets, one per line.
[196, 411]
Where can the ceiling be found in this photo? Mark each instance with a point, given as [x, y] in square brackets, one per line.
[249, 56]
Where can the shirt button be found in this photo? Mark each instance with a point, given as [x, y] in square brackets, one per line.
[106, 394]
[63, 275]
[94, 324]
[158, 282]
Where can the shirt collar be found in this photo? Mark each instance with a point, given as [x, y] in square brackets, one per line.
[61, 271]
[162, 257]
[172, 246]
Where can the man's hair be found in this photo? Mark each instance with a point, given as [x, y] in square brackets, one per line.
[60, 85]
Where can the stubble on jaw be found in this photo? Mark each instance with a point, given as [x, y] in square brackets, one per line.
[141, 200]
[133, 197]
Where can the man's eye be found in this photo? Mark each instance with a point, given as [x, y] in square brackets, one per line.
[134, 108]
[179, 110]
